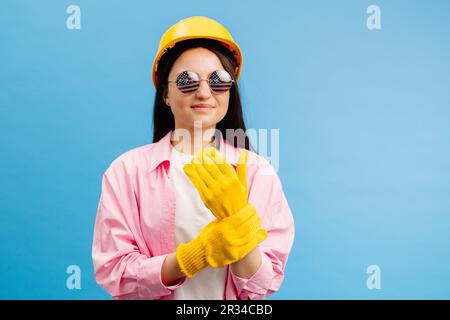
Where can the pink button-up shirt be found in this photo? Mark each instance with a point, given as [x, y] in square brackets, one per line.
[135, 225]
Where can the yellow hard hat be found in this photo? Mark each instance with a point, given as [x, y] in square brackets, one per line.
[194, 28]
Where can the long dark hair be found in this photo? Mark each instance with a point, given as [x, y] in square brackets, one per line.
[163, 119]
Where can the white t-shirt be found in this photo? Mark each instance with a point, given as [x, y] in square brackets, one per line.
[191, 215]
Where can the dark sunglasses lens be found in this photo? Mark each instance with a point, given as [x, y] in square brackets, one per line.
[188, 81]
[220, 81]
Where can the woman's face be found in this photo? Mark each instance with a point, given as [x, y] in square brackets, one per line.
[203, 62]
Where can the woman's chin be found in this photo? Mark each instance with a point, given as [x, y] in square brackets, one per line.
[206, 120]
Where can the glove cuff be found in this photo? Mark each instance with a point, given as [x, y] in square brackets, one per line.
[191, 257]
[247, 208]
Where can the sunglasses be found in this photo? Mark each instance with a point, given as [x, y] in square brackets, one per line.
[188, 81]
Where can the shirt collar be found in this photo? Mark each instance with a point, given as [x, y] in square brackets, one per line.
[162, 149]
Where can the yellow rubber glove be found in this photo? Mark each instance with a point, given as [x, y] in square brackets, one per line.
[223, 190]
[221, 242]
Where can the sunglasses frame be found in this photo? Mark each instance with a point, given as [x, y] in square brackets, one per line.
[208, 78]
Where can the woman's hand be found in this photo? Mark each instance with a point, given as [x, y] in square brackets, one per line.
[223, 190]
[222, 242]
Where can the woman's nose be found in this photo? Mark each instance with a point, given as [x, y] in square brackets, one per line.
[204, 90]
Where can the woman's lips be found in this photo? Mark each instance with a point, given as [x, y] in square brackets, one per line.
[202, 107]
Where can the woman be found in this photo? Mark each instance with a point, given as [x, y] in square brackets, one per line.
[193, 216]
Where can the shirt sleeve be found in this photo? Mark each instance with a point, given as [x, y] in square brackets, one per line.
[267, 196]
[119, 265]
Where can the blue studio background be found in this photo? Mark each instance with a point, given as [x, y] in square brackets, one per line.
[363, 118]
